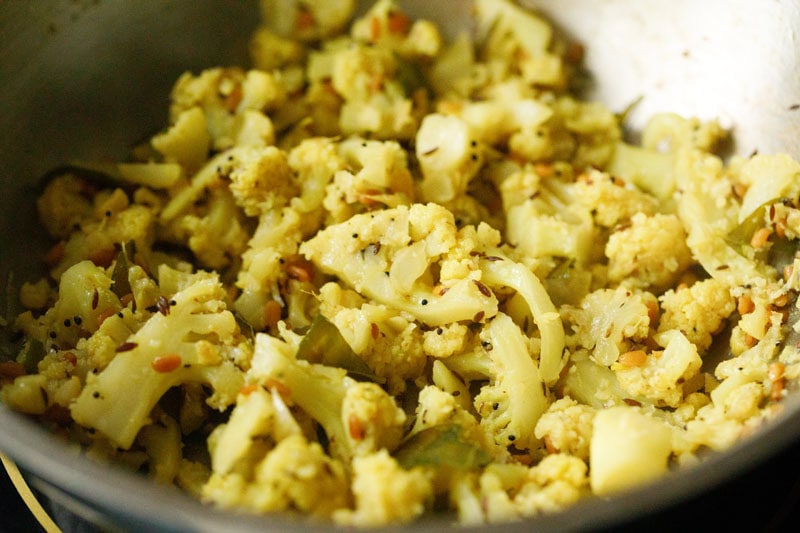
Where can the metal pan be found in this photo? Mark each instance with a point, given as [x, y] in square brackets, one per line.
[85, 79]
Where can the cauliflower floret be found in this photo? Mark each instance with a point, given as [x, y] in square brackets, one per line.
[217, 237]
[504, 492]
[583, 133]
[161, 441]
[296, 474]
[63, 205]
[114, 221]
[709, 213]
[269, 51]
[698, 311]
[385, 493]
[306, 21]
[277, 237]
[511, 404]
[315, 161]
[186, 141]
[517, 183]
[448, 155]
[358, 417]
[375, 101]
[385, 24]
[609, 319]
[377, 174]
[667, 132]
[390, 344]
[261, 178]
[387, 256]
[650, 253]
[35, 295]
[769, 178]
[222, 95]
[566, 427]
[551, 223]
[305, 477]
[85, 300]
[516, 39]
[500, 271]
[445, 341]
[194, 340]
[651, 171]
[611, 201]
[713, 428]
[272, 251]
[374, 421]
[558, 481]
[660, 378]
[251, 422]
[503, 119]
[437, 408]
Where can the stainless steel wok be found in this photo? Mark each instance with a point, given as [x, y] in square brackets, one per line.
[84, 79]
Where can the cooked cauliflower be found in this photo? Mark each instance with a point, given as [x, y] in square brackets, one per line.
[375, 101]
[307, 21]
[63, 204]
[194, 340]
[650, 254]
[386, 493]
[504, 493]
[608, 321]
[661, 376]
[627, 448]
[558, 481]
[387, 274]
[295, 475]
[358, 418]
[390, 344]
[436, 407]
[612, 201]
[698, 311]
[566, 427]
[386, 255]
[386, 25]
[511, 404]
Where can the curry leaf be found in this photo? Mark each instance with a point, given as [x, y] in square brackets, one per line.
[441, 445]
[324, 344]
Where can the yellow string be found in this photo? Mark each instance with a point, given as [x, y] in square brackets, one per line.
[28, 497]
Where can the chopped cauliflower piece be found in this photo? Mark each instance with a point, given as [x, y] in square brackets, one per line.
[611, 201]
[628, 448]
[558, 481]
[663, 373]
[446, 149]
[369, 253]
[358, 418]
[62, 205]
[296, 475]
[385, 493]
[650, 254]
[566, 427]
[165, 352]
[698, 311]
[511, 404]
[307, 21]
[608, 320]
[390, 344]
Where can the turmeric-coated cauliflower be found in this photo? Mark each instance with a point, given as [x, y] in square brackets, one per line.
[698, 311]
[650, 254]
